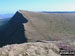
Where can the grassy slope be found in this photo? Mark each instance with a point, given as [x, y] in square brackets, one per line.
[50, 26]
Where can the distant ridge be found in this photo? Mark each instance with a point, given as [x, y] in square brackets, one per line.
[0, 18]
[58, 12]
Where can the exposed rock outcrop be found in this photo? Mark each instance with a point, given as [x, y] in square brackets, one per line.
[30, 49]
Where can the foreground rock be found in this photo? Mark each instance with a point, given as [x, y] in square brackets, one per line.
[31, 49]
[42, 48]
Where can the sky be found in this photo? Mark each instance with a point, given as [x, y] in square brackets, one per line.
[11, 6]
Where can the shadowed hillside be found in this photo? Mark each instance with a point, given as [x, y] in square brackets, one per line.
[14, 31]
[32, 26]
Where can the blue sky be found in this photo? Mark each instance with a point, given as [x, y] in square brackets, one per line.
[11, 6]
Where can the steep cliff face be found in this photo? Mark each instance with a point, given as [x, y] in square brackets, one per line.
[14, 31]
[32, 26]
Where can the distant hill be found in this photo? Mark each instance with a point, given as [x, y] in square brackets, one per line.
[27, 26]
[3, 21]
[0, 18]
[3, 16]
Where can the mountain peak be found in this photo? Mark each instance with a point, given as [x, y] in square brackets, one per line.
[32, 26]
[22, 11]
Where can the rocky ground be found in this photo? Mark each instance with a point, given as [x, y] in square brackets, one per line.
[42, 48]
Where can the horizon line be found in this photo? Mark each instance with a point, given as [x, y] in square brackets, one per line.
[43, 12]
